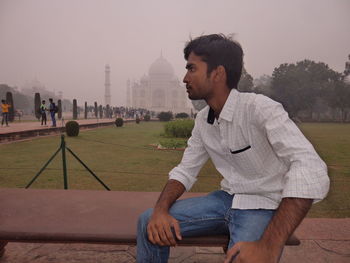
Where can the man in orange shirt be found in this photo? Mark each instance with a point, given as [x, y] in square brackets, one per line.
[5, 112]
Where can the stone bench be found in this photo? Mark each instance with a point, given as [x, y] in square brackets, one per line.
[81, 216]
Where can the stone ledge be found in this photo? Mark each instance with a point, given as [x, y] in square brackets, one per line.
[308, 252]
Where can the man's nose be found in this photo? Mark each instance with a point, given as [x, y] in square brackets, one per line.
[185, 79]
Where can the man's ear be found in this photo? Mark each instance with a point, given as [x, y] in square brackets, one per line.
[220, 73]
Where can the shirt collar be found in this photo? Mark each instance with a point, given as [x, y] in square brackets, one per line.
[228, 109]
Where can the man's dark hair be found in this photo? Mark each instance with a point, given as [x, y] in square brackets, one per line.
[50, 99]
[216, 50]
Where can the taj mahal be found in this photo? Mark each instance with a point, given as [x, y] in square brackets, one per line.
[158, 91]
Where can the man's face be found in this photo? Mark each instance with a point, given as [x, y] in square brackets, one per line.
[198, 83]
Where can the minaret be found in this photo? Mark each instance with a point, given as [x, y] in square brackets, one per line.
[107, 86]
[128, 95]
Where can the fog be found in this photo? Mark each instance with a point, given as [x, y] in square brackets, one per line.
[65, 44]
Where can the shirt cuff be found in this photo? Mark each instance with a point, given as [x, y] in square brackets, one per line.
[302, 184]
[178, 175]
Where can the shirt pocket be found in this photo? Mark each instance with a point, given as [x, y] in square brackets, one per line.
[245, 160]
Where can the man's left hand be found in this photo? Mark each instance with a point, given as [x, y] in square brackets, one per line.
[252, 252]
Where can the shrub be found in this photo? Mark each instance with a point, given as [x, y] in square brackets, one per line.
[165, 116]
[182, 115]
[119, 122]
[72, 128]
[172, 143]
[147, 117]
[138, 120]
[179, 128]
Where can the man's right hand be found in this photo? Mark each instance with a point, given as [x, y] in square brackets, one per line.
[160, 227]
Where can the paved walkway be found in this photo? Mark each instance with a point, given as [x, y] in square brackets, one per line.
[322, 241]
[35, 125]
[31, 129]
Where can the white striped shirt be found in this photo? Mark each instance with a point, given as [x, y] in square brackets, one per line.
[260, 152]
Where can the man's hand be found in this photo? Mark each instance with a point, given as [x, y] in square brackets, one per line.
[160, 227]
[252, 252]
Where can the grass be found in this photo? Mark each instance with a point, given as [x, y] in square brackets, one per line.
[332, 142]
[124, 160]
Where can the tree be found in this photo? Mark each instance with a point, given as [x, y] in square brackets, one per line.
[37, 103]
[9, 100]
[339, 98]
[297, 86]
[246, 82]
[21, 101]
[262, 85]
[75, 109]
[59, 106]
[182, 115]
[165, 116]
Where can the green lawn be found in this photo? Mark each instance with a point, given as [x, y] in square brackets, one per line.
[124, 160]
[332, 142]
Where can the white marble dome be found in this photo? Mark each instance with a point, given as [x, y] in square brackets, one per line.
[161, 67]
[144, 78]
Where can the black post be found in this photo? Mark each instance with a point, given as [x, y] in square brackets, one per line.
[63, 147]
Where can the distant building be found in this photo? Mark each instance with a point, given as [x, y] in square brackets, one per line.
[158, 91]
[35, 86]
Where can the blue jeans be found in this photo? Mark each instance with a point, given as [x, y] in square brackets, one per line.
[52, 114]
[5, 118]
[198, 216]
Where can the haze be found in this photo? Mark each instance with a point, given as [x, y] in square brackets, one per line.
[65, 44]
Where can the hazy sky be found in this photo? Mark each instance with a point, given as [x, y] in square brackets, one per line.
[65, 44]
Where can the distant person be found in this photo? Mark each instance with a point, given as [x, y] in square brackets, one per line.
[19, 113]
[5, 112]
[271, 174]
[53, 110]
[43, 110]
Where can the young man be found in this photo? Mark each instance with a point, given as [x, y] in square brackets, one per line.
[52, 107]
[5, 112]
[43, 110]
[271, 173]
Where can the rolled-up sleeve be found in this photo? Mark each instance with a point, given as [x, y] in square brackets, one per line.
[307, 175]
[192, 161]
